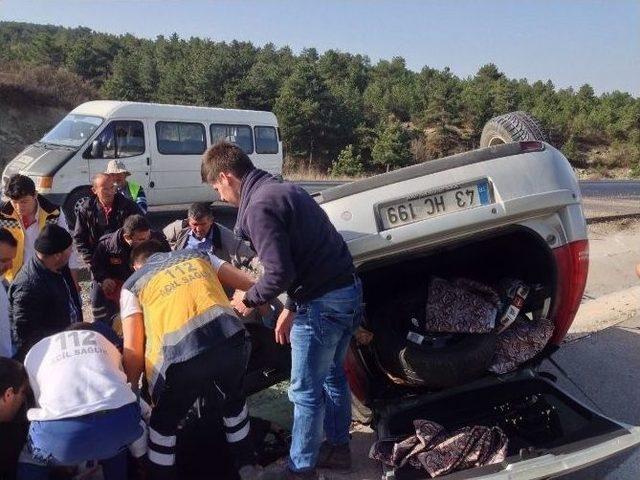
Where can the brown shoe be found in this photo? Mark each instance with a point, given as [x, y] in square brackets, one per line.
[334, 457]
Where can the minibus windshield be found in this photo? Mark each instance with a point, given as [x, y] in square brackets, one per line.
[73, 130]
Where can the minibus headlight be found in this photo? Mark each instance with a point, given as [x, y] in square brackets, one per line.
[43, 182]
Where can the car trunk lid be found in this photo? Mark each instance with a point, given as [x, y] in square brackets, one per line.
[549, 431]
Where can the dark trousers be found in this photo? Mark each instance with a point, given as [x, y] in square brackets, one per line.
[104, 310]
[13, 436]
[223, 368]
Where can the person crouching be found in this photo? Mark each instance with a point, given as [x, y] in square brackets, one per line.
[85, 408]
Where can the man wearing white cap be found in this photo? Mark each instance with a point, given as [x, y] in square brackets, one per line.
[129, 188]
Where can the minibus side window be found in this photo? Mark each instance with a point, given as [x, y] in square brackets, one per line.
[266, 139]
[238, 134]
[120, 139]
[181, 138]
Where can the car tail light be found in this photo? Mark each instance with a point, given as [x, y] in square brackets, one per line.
[531, 146]
[572, 262]
[356, 376]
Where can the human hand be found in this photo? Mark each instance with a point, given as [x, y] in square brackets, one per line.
[238, 304]
[283, 326]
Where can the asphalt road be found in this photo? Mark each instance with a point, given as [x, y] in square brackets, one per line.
[622, 189]
[611, 386]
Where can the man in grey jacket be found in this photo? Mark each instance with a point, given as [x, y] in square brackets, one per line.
[199, 231]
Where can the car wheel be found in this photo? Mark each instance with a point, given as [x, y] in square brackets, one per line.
[463, 359]
[511, 127]
[74, 201]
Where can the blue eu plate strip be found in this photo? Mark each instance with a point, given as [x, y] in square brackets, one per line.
[483, 191]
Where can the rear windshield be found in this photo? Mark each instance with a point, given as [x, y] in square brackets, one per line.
[73, 130]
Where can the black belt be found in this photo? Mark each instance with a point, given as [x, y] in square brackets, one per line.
[341, 281]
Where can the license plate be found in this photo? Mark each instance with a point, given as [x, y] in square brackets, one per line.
[423, 206]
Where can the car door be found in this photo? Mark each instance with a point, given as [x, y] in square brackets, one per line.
[175, 163]
[126, 141]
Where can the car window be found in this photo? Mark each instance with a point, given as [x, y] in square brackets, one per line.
[120, 139]
[181, 138]
[238, 134]
[266, 140]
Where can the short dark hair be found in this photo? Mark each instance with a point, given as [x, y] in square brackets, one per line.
[224, 157]
[19, 186]
[142, 252]
[12, 375]
[6, 237]
[135, 223]
[200, 210]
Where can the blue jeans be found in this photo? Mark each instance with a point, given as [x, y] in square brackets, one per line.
[320, 336]
[102, 436]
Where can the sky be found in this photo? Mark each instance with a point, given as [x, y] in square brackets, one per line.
[570, 42]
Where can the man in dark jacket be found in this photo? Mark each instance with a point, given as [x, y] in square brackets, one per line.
[110, 265]
[304, 255]
[105, 212]
[43, 299]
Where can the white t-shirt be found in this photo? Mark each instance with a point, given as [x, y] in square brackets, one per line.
[32, 232]
[76, 373]
[129, 303]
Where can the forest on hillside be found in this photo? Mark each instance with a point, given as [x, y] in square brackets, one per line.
[339, 113]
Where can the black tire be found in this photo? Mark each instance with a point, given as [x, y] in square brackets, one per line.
[511, 127]
[461, 361]
[73, 202]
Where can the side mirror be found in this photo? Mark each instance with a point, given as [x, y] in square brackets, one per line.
[96, 149]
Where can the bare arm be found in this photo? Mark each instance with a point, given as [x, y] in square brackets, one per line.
[231, 277]
[133, 351]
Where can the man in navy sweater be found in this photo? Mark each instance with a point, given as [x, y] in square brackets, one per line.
[304, 256]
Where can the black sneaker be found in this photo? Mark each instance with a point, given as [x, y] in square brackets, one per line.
[334, 457]
[283, 473]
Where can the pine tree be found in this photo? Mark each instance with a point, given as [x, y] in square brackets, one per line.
[348, 164]
[393, 146]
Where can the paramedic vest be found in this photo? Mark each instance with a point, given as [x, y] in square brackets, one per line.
[47, 213]
[131, 191]
[185, 308]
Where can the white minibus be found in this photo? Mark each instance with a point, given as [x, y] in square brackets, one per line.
[161, 145]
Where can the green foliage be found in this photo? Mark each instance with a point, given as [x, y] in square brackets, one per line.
[393, 146]
[348, 164]
[311, 117]
[570, 149]
[330, 105]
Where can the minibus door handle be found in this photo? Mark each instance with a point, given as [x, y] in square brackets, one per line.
[148, 161]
